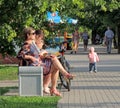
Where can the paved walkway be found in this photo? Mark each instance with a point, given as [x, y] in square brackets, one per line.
[93, 90]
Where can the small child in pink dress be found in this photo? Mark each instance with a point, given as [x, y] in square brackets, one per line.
[93, 59]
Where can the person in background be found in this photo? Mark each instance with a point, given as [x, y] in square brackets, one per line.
[65, 38]
[85, 38]
[93, 59]
[75, 39]
[108, 38]
[104, 42]
[97, 39]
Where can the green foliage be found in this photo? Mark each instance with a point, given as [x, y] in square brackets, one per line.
[7, 32]
[17, 14]
[4, 90]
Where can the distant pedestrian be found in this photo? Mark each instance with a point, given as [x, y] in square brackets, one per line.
[97, 39]
[93, 59]
[85, 38]
[75, 40]
[104, 41]
[108, 38]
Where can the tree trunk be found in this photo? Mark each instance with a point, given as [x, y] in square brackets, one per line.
[115, 38]
[93, 35]
[118, 39]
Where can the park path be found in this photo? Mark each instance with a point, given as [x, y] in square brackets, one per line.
[93, 90]
[89, 90]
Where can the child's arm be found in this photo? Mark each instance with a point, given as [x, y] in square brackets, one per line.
[97, 58]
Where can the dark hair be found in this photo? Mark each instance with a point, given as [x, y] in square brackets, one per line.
[39, 32]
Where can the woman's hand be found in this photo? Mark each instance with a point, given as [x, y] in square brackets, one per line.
[33, 59]
[43, 54]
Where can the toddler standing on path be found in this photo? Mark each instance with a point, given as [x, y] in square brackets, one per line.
[93, 59]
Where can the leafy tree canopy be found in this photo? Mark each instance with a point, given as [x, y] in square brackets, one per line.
[18, 14]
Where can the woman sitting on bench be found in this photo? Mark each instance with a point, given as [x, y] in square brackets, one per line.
[31, 51]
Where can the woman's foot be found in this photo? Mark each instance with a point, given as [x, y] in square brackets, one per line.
[55, 92]
[46, 90]
[70, 76]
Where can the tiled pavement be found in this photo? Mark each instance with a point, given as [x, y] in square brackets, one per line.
[93, 90]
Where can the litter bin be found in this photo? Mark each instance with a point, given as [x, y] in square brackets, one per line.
[30, 81]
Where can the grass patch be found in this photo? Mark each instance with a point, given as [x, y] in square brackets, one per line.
[11, 73]
[8, 72]
[28, 102]
[4, 90]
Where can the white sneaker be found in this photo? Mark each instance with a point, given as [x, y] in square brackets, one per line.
[95, 71]
[46, 90]
[90, 71]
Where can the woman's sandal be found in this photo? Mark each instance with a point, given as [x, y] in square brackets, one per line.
[55, 92]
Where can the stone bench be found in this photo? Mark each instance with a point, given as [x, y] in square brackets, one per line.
[30, 81]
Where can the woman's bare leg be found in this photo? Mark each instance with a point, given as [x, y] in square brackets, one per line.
[76, 47]
[59, 66]
[47, 80]
[54, 77]
[51, 78]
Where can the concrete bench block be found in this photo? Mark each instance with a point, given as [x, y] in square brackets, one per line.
[30, 81]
